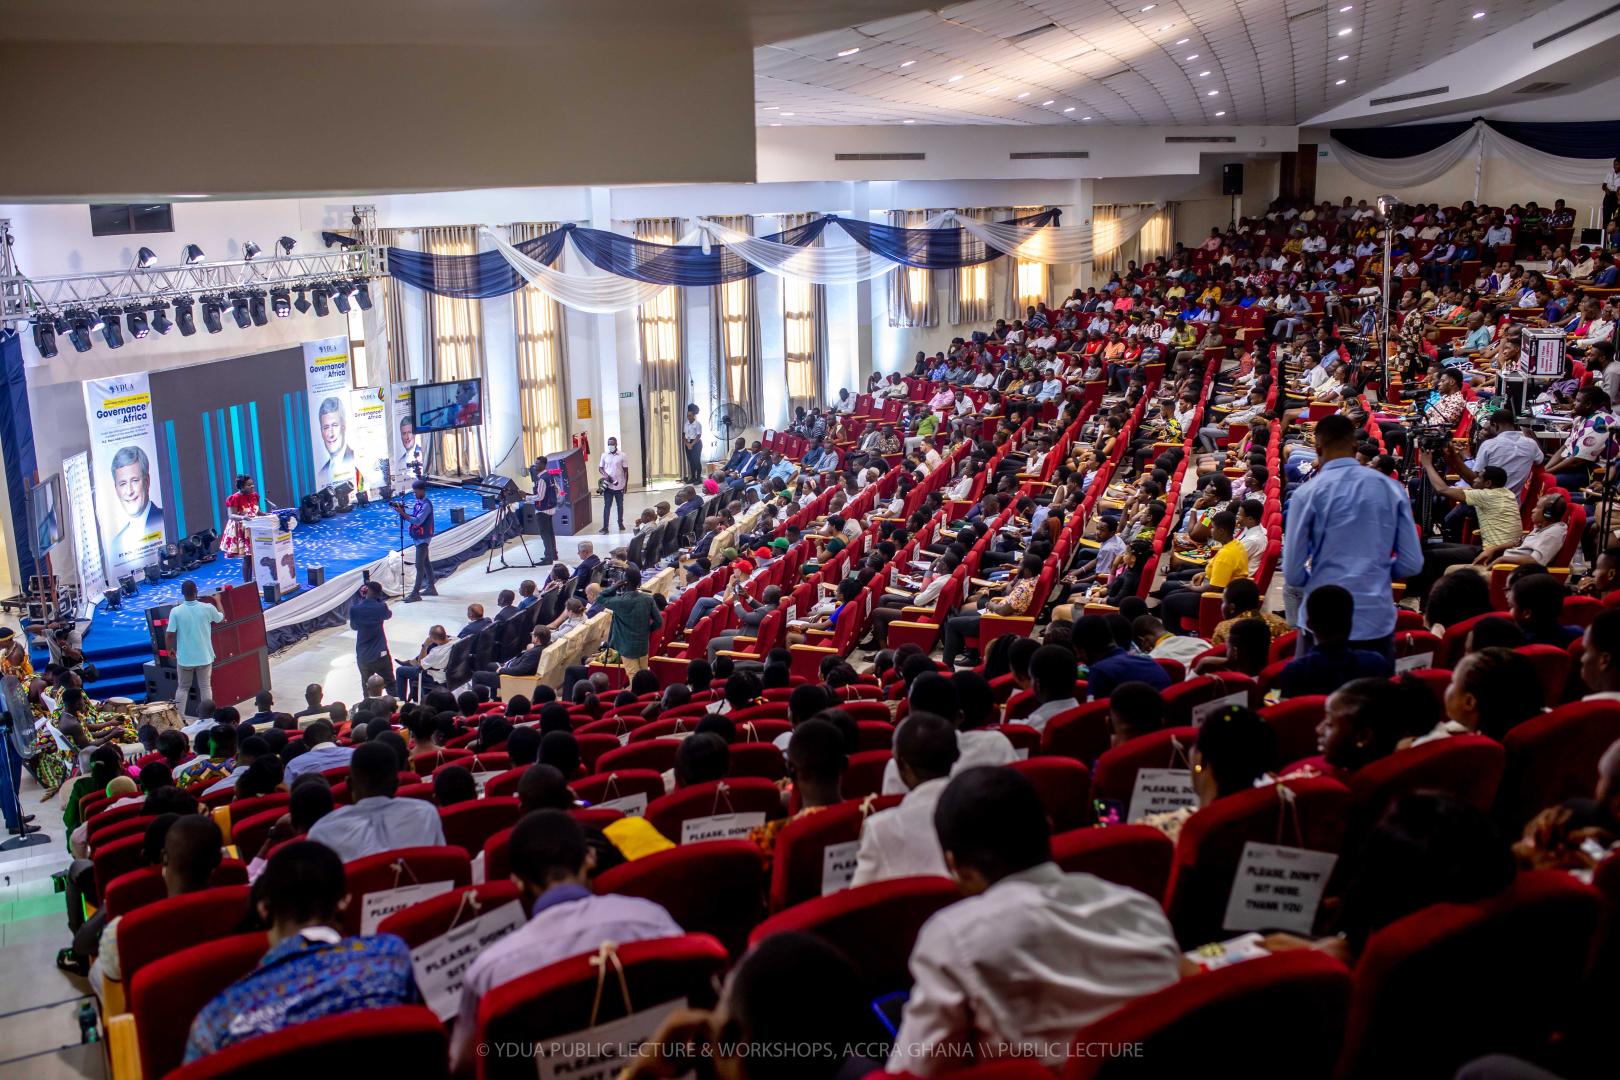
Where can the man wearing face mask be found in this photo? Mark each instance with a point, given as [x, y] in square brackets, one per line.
[616, 473]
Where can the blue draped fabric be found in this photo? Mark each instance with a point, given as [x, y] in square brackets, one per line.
[1599, 139]
[680, 264]
[1399, 142]
[931, 249]
[473, 277]
[17, 447]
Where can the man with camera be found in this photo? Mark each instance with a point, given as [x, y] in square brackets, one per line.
[418, 514]
[545, 506]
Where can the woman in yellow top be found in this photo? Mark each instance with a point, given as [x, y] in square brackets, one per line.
[1211, 293]
[1230, 561]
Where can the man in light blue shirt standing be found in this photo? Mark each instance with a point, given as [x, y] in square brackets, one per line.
[1351, 526]
[190, 640]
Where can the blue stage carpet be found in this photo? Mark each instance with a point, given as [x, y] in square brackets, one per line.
[117, 642]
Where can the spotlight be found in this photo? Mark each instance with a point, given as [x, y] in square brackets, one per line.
[126, 584]
[185, 316]
[204, 541]
[160, 318]
[338, 239]
[135, 319]
[114, 598]
[45, 337]
[96, 322]
[309, 509]
[256, 308]
[302, 303]
[145, 257]
[111, 331]
[280, 303]
[212, 306]
[328, 502]
[152, 572]
[168, 561]
[189, 559]
[362, 294]
[340, 296]
[239, 311]
[249, 250]
[286, 244]
[192, 254]
[319, 295]
[79, 330]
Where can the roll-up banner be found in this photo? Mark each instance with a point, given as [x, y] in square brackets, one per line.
[409, 456]
[125, 475]
[326, 373]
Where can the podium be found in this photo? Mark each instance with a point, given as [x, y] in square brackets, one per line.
[241, 650]
[274, 562]
[574, 490]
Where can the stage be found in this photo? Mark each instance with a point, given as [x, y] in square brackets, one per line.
[366, 538]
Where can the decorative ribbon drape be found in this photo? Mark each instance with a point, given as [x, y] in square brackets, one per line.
[1419, 159]
[634, 270]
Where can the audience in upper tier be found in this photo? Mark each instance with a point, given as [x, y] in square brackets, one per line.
[997, 591]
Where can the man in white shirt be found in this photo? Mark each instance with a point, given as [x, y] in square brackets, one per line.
[552, 865]
[900, 841]
[692, 441]
[1498, 234]
[1052, 674]
[1250, 513]
[1509, 448]
[429, 666]
[963, 702]
[377, 821]
[1087, 945]
[321, 753]
[1314, 243]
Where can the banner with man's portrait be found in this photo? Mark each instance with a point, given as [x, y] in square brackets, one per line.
[331, 419]
[409, 452]
[124, 464]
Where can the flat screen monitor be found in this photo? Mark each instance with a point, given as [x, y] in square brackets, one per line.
[45, 512]
[448, 405]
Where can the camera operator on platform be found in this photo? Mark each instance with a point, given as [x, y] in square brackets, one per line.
[418, 515]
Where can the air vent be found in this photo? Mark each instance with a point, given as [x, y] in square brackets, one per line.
[1583, 24]
[1414, 95]
[1025, 35]
[1311, 14]
[1048, 155]
[1541, 87]
[1200, 139]
[880, 157]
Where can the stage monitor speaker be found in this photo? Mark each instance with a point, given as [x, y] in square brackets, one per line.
[458, 515]
[316, 575]
[272, 594]
[114, 598]
[1232, 179]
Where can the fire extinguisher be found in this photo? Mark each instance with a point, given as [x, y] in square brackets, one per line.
[582, 441]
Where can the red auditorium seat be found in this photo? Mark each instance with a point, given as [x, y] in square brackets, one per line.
[865, 773]
[566, 998]
[715, 887]
[1064, 786]
[1468, 767]
[1137, 856]
[167, 994]
[1449, 983]
[468, 825]
[134, 890]
[1298, 999]
[1083, 732]
[1553, 757]
[438, 915]
[655, 754]
[619, 784]
[757, 759]
[1182, 700]
[1164, 749]
[156, 930]
[875, 925]
[742, 796]
[1552, 668]
[796, 866]
[405, 866]
[406, 1040]
[1294, 723]
[1212, 841]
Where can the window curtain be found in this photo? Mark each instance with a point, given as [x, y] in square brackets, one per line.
[911, 290]
[663, 372]
[1031, 280]
[542, 363]
[736, 336]
[968, 297]
[1121, 233]
[804, 307]
[1158, 236]
[455, 344]
[399, 359]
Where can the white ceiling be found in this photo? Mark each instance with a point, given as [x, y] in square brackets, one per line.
[1176, 62]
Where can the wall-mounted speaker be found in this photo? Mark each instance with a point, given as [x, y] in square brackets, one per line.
[1232, 179]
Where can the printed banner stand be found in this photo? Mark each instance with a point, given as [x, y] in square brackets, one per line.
[127, 480]
[273, 560]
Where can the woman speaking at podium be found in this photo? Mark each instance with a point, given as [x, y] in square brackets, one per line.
[243, 506]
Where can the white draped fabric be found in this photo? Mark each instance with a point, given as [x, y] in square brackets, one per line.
[1419, 169]
[1032, 243]
[826, 265]
[597, 293]
[1108, 235]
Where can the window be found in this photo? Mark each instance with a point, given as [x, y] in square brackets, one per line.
[1031, 283]
[121, 219]
[802, 342]
[663, 374]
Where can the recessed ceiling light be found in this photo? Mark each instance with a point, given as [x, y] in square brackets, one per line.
[772, 108]
[954, 78]
[1024, 95]
[908, 63]
[1212, 93]
[1201, 74]
[1193, 57]
[1346, 56]
[1085, 118]
[1339, 83]
[1149, 7]
[1165, 27]
[849, 52]
[1069, 109]
[908, 121]
[787, 114]
[1044, 104]
[1345, 32]
[1221, 113]
[1479, 14]
[1183, 41]
[1346, 8]
[993, 89]
[776, 125]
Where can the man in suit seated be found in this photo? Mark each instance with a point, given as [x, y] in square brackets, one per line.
[524, 664]
[506, 604]
[588, 562]
[476, 622]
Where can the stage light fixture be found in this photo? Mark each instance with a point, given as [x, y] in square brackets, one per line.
[145, 257]
[239, 311]
[319, 294]
[302, 303]
[111, 331]
[362, 294]
[126, 584]
[169, 561]
[340, 296]
[135, 319]
[114, 598]
[152, 571]
[185, 315]
[192, 254]
[249, 250]
[328, 502]
[256, 308]
[188, 555]
[205, 541]
[45, 337]
[160, 318]
[97, 322]
[212, 307]
[79, 331]
[309, 509]
[338, 239]
[286, 244]
[281, 303]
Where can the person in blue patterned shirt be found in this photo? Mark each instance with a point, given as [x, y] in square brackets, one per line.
[311, 970]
